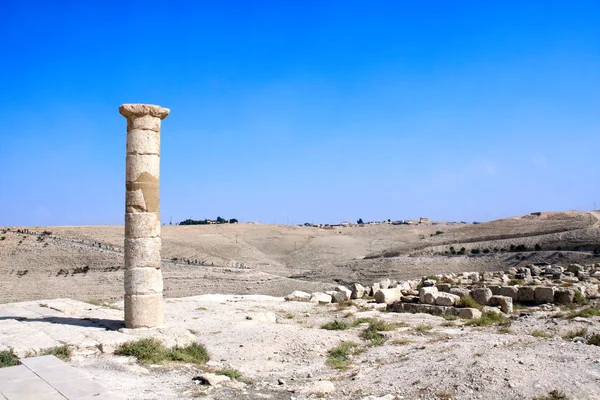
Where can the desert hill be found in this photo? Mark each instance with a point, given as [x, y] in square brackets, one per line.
[86, 262]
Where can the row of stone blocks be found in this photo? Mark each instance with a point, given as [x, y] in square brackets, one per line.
[414, 308]
[521, 294]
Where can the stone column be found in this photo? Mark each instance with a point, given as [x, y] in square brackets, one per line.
[143, 278]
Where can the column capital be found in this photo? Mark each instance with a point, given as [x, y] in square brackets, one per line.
[140, 110]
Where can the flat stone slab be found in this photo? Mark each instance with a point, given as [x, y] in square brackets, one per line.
[49, 378]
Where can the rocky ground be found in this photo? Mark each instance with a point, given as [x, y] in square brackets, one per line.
[281, 351]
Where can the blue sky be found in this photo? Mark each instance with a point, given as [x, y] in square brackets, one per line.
[294, 111]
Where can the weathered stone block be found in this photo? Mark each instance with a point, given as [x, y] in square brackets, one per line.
[143, 281]
[481, 295]
[143, 252]
[469, 313]
[385, 283]
[142, 168]
[444, 287]
[320, 298]
[374, 288]
[564, 296]
[298, 295]
[358, 291]
[509, 291]
[544, 294]
[343, 289]
[425, 290]
[495, 290]
[142, 225]
[460, 292]
[146, 122]
[445, 299]
[526, 294]
[143, 311]
[388, 295]
[505, 303]
[143, 142]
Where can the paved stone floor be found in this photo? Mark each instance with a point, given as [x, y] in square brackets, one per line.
[48, 378]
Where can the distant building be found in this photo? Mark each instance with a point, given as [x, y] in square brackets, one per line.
[425, 221]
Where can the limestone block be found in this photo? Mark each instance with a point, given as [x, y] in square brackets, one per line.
[535, 270]
[142, 225]
[424, 291]
[429, 298]
[460, 292]
[343, 289]
[481, 295]
[143, 252]
[409, 299]
[388, 295]
[591, 290]
[492, 310]
[374, 288]
[564, 296]
[298, 295]
[505, 303]
[510, 291]
[339, 297]
[143, 311]
[445, 299]
[544, 294]
[428, 282]
[495, 290]
[135, 202]
[132, 111]
[357, 290]
[145, 122]
[526, 294]
[469, 313]
[405, 287]
[139, 165]
[444, 287]
[143, 142]
[143, 281]
[385, 283]
[143, 196]
[320, 298]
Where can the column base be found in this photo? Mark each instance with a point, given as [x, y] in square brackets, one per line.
[144, 311]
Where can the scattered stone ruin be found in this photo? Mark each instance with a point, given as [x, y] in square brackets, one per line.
[143, 277]
[470, 294]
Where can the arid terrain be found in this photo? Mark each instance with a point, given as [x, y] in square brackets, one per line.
[86, 263]
[225, 284]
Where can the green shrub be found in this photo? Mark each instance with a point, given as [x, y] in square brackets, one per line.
[152, 351]
[335, 326]
[594, 340]
[371, 333]
[63, 352]
[8, 359]
[339, 356]
[540, 334]
[423, 328]
[487, 319]
[232, 374]
[553, 395]
[193, 353]
[579, 298]
[468, 302]
[588, 312]
[573, 334]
